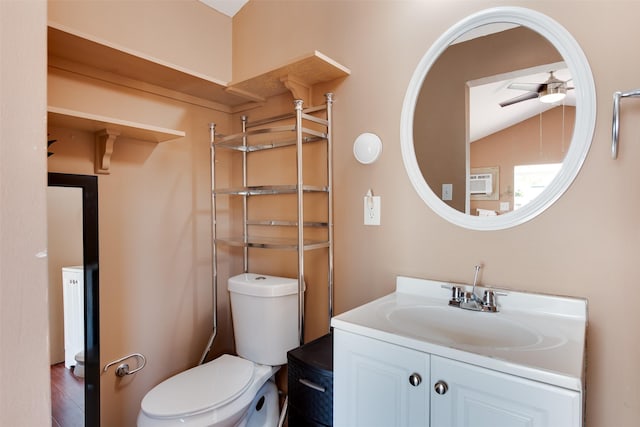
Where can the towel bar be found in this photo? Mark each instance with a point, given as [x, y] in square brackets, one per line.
[615, 131]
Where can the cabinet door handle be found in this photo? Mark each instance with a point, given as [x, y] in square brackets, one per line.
[312, 385]
[441, 387]
[415, 379]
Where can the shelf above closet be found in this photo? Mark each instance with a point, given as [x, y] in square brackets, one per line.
[89, 55]
[107, 130]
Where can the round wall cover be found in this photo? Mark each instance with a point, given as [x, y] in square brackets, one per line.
[367, 148]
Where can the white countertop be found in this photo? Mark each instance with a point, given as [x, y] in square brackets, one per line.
[550, 348]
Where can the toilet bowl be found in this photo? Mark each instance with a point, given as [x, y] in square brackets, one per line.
[234, 391]
[220, 393]
[78, 370]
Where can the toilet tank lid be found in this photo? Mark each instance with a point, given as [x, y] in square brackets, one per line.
[262, 285]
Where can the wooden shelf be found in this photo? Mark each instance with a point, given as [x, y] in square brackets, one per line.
[82, 53]
[69, 50]
[297, 76]
[63, 117]
[107, 130]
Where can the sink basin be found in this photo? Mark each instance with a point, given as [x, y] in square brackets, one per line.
[452, 326]
[535, 336]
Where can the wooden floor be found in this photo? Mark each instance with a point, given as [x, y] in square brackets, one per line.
[67, 398]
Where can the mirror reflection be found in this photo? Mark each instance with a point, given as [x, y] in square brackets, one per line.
[493, 119]
[66, 302]
[73, 240]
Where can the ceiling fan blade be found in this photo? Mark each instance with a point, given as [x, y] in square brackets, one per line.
[525, 97]
[530, 87]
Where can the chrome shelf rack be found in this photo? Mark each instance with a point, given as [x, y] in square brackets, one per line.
[312, 125]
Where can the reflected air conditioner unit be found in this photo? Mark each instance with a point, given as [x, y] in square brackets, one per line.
[481, 184]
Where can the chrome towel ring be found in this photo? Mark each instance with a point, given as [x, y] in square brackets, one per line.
[123, 368]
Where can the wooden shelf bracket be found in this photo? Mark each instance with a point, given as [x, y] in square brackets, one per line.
[298, 87]
[105, 139]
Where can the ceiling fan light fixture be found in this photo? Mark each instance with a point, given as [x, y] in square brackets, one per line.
[552, 94]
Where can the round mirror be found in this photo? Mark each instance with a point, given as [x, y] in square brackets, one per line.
[498, 118]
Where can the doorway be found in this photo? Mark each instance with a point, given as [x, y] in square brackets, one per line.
[89, 194]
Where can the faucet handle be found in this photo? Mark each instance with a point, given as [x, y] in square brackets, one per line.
[456, 293]
[489, 301]
[489, 298]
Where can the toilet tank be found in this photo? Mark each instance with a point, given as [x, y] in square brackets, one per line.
[265, 317]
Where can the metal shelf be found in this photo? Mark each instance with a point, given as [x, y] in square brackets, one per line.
[274, 132]
[279, 223]
[234, 145]
[273, 243]
[238, 141]
[260, 190]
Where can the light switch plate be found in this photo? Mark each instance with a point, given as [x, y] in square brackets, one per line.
[447, 191]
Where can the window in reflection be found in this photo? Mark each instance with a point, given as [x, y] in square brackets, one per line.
[530, 180]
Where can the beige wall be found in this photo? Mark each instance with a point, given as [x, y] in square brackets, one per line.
[24, 351]
[154, 285]
[170, 31]
[155, 251]
[155, 273]
[573, 248]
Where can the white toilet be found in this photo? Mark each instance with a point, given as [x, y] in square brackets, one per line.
[235, 391]
[78, 370]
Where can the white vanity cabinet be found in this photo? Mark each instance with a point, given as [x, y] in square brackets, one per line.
[381, 384]
[378, 384]
[411, 359]
[478, 397]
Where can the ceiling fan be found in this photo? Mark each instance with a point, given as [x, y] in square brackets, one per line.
[552, 90]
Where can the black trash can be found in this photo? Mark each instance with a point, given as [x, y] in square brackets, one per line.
[310, 382]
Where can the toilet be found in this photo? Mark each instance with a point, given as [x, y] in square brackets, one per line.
[235, 391]
[78, 371]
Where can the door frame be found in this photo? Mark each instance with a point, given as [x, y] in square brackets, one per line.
[90, 250]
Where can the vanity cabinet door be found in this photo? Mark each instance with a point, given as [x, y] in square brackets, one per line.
[378, 384]
[478, 397]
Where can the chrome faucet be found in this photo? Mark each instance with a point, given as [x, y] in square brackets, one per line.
[471, 300]
[474, 296]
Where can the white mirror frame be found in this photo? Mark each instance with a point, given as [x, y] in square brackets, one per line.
[582, 133]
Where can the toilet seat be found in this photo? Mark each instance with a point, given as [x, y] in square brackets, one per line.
[200, 389]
